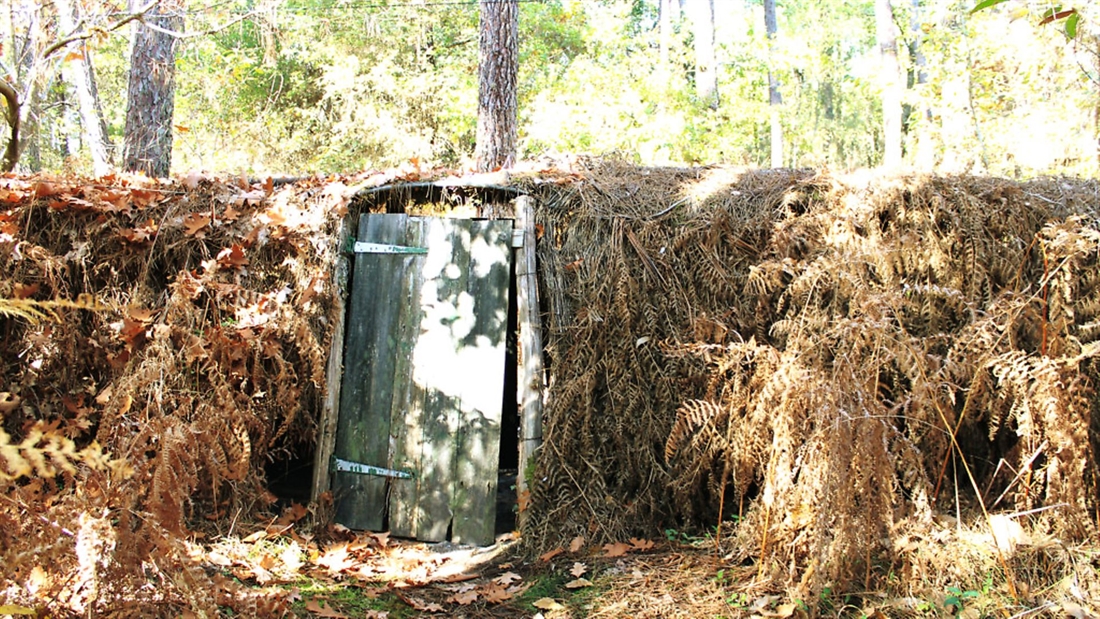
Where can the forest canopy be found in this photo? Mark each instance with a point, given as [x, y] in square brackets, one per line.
[296, 86]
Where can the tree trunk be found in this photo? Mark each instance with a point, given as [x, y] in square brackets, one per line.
[150, 100]
[775, 100]
[498, 68]
[76, 69]
[919, 116]
[891, 83]
[706, 74]
[28, 77]
[666, 8]
[11, 151]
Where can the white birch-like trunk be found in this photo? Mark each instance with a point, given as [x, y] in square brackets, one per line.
[76, 73]
[890, 80]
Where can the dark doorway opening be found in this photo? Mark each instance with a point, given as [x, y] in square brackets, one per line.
[509, 421]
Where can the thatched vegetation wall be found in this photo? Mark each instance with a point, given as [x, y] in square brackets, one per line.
[195, 356]
[825, 359]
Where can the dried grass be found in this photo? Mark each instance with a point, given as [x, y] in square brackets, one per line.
[803, 352]
[201, 360]
[831, 362]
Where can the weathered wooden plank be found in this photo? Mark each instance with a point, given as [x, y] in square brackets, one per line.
[408, 401]
[447, 316]
[330, 408]
[530, 383]
[481, 361]
[367, 392]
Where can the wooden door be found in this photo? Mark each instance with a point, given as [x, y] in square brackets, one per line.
[424, 377]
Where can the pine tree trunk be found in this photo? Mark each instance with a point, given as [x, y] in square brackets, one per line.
[498, 67]
[706, 73]
[775, 100]
[891, 83]
[77, 72]
[151, 93]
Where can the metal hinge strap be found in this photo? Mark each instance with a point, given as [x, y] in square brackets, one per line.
[363, 247]
[368, 469]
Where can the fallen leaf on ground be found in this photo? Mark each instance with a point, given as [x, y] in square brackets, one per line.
[576, 544]
[547, 604]
[617, 549]
[453, 578]
[495, 594]
[255, 537]
[641, 544]
[464, 598]
[785, 610]
[578, 583]
[232, 256]
[578, 569]
[382, 539]
[322, 609]
[192, 180]
[507, 578]
[335, 559]
[419, 604]
[550, 554]
[194, 225]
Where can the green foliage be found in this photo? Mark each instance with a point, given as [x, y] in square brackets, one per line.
[325, 86]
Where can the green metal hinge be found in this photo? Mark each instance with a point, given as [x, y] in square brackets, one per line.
[363, 247]
[346, 466]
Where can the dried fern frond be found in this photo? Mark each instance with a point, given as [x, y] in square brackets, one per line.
[45, 453]
[36, 312]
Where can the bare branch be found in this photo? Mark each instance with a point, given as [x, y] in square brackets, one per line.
[11, 153]
[73, 38]
[191, 35]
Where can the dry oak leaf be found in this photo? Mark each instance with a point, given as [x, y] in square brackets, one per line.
[195, 225]
[230, 213]
[547, 604]
[421, 605]
[335, 558]
[578, 583]
[550, 554]
[464, 598]
[192, 180]
[576, 544]
[495, 594]
[641, 544]
[617, 549]
[507, 578]
[232, 257]
[322, 609]
[578, 569]
[251, 197]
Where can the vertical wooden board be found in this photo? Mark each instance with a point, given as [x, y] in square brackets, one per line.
[438, 367]
[431, 410]
[334, 369]
[530, 373]
[407, 414]
[481, 359]
[363, 430]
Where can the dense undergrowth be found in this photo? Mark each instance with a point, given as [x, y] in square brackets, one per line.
[868, 383]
